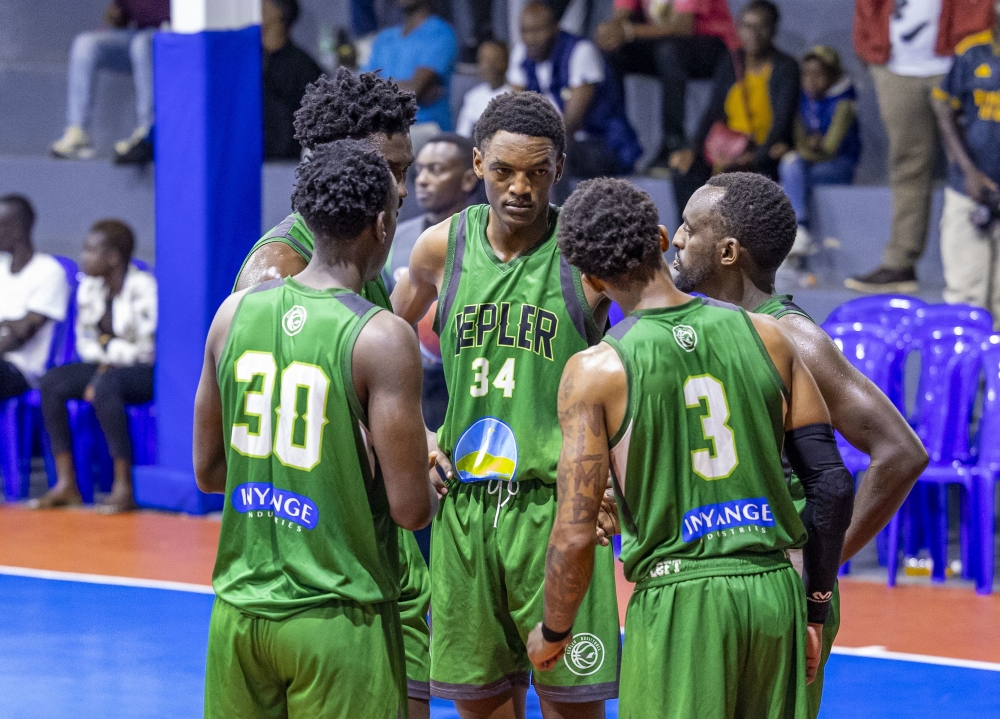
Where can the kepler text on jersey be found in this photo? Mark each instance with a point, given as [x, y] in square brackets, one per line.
[524, 326]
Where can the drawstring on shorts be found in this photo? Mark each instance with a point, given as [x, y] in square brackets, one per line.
[512, 489]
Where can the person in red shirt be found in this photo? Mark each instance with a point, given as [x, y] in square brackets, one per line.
[675, 41]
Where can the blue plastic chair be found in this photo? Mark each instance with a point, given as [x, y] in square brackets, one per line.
[886, 310]
[986, 473]
[21, 426]
[870, 348]
[945, 397]
[945, 315]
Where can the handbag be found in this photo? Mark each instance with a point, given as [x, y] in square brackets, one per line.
[722, 143]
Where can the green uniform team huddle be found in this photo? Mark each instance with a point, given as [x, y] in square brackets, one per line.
[671, 426]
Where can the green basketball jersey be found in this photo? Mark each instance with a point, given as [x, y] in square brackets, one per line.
[507, 330]
[294, 232]
[697, 458]
[306, 517]
[779, 306]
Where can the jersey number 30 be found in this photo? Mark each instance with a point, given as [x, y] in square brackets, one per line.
[303, 454]
[721, 462]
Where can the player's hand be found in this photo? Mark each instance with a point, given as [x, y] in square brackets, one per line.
[438, 465]
[608, 523]
[814, 649]
[544, 655]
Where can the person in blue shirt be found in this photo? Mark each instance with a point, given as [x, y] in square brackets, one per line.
[570, 71]
[419, 56]
[827, 140]
[968, 111]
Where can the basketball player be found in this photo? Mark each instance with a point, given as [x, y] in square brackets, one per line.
[375, 111]
[737, 230]
[689, 401]
[305, 621]
[511, 313]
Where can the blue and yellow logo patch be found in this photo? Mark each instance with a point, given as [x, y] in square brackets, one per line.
[983, 71]
[487, 450]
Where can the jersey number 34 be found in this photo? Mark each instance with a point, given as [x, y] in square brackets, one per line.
[298, 449]
[721, 462]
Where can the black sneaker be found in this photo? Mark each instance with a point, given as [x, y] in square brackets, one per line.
[138, 154]
[884, 280]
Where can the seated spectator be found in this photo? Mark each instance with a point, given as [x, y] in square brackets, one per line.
[419, 56]
[827, 138]
[34, 298]
[492, 60]
[125, 45]
[748, 126]
[287, 71]
[115, 339]
[446, 184]
[968, 110]
[675, 41]
[570, 72]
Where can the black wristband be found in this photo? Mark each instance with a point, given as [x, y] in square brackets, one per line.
[553, 637]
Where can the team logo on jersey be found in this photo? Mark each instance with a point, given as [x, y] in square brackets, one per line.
[585, 654]
[487, 450]
[686, 337]
[263, 499]
[983, 71]
[726, 515]
[294, 320]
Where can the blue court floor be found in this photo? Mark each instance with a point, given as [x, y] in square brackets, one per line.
[75, 650]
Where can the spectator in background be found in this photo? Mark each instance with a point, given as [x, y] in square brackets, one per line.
[909, 47]
[115, 339]
[827, 138]
[125, 45]
[419, 56]
[755, 100]
[287, 71]
[492, 60]
[571, 73]
[33, 299]
[675, 41]
[446, 184]
[968, 110]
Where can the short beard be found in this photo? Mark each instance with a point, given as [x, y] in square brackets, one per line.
[689, 279]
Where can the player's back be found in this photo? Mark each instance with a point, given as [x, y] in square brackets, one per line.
[307, 518]
[697, 458]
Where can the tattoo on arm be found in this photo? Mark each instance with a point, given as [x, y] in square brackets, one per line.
[566, 581]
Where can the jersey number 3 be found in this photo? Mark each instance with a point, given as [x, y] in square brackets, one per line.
[298, 441]
[721, 462]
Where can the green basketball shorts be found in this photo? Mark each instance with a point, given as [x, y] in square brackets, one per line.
[414, 603]
[340, 659]
[716, 647]
[488, 544]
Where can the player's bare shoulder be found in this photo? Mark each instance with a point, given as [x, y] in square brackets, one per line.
[431, 249]
[272, 261]
[812, 342]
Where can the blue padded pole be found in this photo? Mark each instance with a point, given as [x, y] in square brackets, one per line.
[208, 155]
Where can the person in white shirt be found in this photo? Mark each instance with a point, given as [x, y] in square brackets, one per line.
[491, 59]
[115, 339]
[571, 73]
[34, 296]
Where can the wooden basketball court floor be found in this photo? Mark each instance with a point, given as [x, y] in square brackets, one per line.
[108, 617]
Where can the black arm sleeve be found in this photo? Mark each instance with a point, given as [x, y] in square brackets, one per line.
[829, 489]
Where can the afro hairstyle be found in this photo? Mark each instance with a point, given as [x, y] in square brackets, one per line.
[349, 106]
[610, 229]
[521, 113]
[757, 212]
[341, 189]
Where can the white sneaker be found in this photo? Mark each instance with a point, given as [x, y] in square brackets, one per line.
[139, 134]
[804, 245]
[73, 145]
